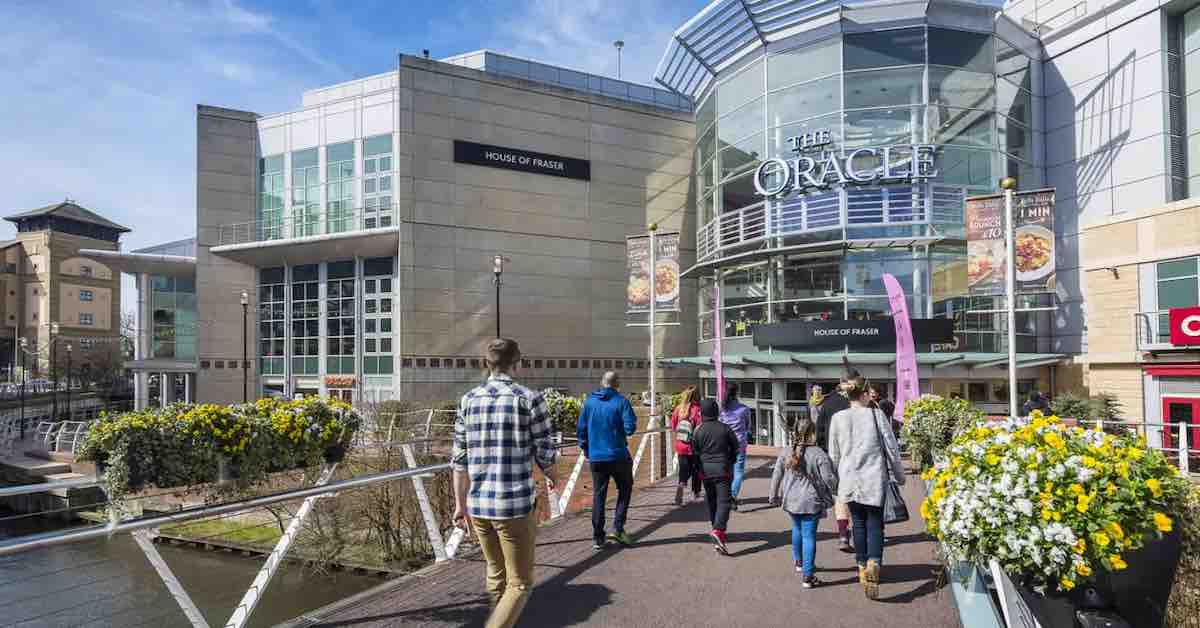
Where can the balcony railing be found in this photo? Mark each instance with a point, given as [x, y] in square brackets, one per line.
[302, 224]
[830, 212]
[1151, 330]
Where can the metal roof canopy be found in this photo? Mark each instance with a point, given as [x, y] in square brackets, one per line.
[767, 360]
[726, 31]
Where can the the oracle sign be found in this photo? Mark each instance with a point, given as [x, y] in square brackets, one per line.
[828, 168]
[1185, 325]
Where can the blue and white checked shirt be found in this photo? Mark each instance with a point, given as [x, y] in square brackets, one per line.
[502, 428]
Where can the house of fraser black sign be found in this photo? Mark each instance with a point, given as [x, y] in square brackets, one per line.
[521, 160]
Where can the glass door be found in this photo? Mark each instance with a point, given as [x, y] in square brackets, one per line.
[1176, 410]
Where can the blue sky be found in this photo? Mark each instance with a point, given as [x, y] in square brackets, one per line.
[100, 97]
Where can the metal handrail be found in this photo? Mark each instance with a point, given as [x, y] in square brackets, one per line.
[1146, 329]
[295, 223]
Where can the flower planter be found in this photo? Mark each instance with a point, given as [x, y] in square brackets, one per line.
[334, 454]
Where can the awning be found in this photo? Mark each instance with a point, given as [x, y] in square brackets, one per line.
[149, 263]
[774, 359]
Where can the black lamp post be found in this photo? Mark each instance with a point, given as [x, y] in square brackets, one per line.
[54, 370]
[245, 339]
[498, 269]
[24, 376]
[69, 381]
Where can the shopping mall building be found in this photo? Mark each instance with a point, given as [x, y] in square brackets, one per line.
[802, 150]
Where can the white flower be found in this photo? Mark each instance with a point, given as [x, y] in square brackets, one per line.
[1024, 506]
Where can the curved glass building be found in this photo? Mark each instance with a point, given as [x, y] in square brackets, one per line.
[804, 81]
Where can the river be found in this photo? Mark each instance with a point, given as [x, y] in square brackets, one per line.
[110, 583]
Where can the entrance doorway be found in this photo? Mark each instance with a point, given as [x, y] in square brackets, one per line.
[1176, 410]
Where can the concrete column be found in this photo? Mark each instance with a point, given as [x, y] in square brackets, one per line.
[168, 388]
[141, 390]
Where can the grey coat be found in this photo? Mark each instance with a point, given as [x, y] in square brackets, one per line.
[809, 494]
[860, 458]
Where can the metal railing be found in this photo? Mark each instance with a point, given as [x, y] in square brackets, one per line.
[1179, 442]
[829, 213]
[302, 224]
[1151, 331]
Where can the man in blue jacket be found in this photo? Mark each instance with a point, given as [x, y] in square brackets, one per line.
[607, 418]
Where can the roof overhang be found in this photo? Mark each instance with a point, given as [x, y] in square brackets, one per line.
[793, 359]
[150, 264]
[311, 249]
[162, 366]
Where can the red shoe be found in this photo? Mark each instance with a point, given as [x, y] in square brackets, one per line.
[718, 538]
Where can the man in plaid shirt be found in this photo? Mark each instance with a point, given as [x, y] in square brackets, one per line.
[501, 430]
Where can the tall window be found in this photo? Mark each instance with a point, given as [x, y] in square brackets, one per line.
[270, 196]
[271, 323]
[377, 316]
[339, 318]
[306, 320]
[377, 182]
[173, 310]
[1178, 286]
[306, 193]
[339, 192]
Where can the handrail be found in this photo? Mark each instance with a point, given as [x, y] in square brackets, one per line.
[297, 223]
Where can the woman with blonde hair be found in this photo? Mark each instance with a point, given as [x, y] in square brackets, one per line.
[804, 483]
[685, 418]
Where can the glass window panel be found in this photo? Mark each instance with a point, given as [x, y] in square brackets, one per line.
[339, 152]
[807, 278]
[376, 145]
[744, 285]
[369, 186]
[304, 159]
[1177, 268]
[740, 321]
[965, 127]
[369, 166]
[880, 49]
[738, 193]
[825, 310]
[967, 166]
[742, 156]
[1012, 64]
[385, 184]
[707, 208]
[1014, 138]
[707, 112]
[385, 326]
[778, 145]
[804, 101]
[803, 64]
[960, 49]
[881, 127]
[1013, 102]
[884, 88]
[865, 270]
[740, 124]
[961, 88]
[385, 164]
[706, 147]
[273, 163]
[740, 89]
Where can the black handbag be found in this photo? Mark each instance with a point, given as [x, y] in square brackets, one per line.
[894, 508]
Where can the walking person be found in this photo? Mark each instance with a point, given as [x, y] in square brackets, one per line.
[717, 446]
[606, 419]
[804, 483]
[867, 457]
[737, 416]
[685, 418]
[501, 430]
[835, 402]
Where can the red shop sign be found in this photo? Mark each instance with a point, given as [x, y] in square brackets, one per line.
[1185, 325]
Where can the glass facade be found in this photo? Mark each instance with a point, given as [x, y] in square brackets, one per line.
[173, 312]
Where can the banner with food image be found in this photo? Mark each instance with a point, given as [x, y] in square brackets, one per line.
[1033, 217]
[663, 280]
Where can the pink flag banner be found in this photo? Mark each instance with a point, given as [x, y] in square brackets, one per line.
[716, 355]
[907, 379]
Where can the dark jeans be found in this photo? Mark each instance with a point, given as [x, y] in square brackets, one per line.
[868, 532]
[716, 493]
[622, 473]
[689, 469]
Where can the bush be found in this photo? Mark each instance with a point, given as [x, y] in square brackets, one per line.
[1069, 406]
[184, 444]
[931, 422]
[564, 410]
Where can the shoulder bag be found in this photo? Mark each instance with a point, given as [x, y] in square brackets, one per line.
[894, 508]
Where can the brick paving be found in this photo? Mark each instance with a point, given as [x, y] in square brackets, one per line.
[674, 578]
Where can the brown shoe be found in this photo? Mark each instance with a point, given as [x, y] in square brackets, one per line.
[869, 576]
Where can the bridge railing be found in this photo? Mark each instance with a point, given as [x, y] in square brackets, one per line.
[388, 487]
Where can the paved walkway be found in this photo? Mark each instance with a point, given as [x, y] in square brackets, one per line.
[674, 578]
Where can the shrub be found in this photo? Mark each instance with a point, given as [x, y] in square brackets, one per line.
[1069, 406]
[1053, 505]
[931, 422]
[564, 410]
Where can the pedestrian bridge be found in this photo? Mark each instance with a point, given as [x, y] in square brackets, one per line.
[671, 577]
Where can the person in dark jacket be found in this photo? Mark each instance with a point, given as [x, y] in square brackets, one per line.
[606, 419]
[1036, 401]
[717, 446]
[835, 403]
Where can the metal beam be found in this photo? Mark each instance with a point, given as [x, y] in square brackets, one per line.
[988, 364]
[144, 540]
[431, 525]
[961, 358]
[753, 23]
[1035, 363]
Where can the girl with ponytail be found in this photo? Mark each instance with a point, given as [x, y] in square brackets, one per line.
[804, 483]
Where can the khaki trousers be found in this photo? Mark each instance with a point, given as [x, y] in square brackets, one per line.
[507, 545]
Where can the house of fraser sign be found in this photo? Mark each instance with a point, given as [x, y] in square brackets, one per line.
[885, 164]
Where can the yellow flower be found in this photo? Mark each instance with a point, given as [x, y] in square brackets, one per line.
[1163, 522]
[1055, 441]
[1067, 584]
[1117, 562]
[1077, 489]
[1089, 462]
[1083, 503]
[926, 512]
[1080, 546]
[1155, 487]
[992, 460]
[1115, 530]
[1101, 539]
[929, 474]
[1047, 514]
[1036, 414]
[1083, 570]
[1111, 489]
[1123, 469]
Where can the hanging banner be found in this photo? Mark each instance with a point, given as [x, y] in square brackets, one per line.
[716, 356]
[1033, 220]
[907, 380]
[661, 281]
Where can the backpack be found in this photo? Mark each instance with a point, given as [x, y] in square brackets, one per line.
[683, 430]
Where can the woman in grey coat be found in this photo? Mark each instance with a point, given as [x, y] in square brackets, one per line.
[804, 482]
[864, 450]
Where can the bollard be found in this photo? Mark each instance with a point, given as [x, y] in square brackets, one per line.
[1183, 448]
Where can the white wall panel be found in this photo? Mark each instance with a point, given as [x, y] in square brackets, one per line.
[1077, 65]
[306, 133]
[1134, 161]
[339, 127]
[272, 141]
[1139, 195]
[378, 119]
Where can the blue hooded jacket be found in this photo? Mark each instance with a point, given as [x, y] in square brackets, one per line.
[607, 418]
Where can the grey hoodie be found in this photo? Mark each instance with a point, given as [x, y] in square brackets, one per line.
[808, 494]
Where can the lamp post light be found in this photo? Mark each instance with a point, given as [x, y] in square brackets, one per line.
[69, 347]
[245, 340]
[24, 342]
[619, 44]
[1009, 184]
[54, 370]
[497, 270]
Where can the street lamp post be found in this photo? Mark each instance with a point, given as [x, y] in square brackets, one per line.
[24, 347]
[245, 339]
[498, 269]
[1008, 184]
[54, 370]
[69, 346]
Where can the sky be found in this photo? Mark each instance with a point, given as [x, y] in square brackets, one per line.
[99, 98]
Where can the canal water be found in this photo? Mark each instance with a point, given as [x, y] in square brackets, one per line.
[110, 583]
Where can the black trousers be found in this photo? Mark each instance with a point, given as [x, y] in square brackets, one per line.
[716, 493]
[689, 469]
[622, 473]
